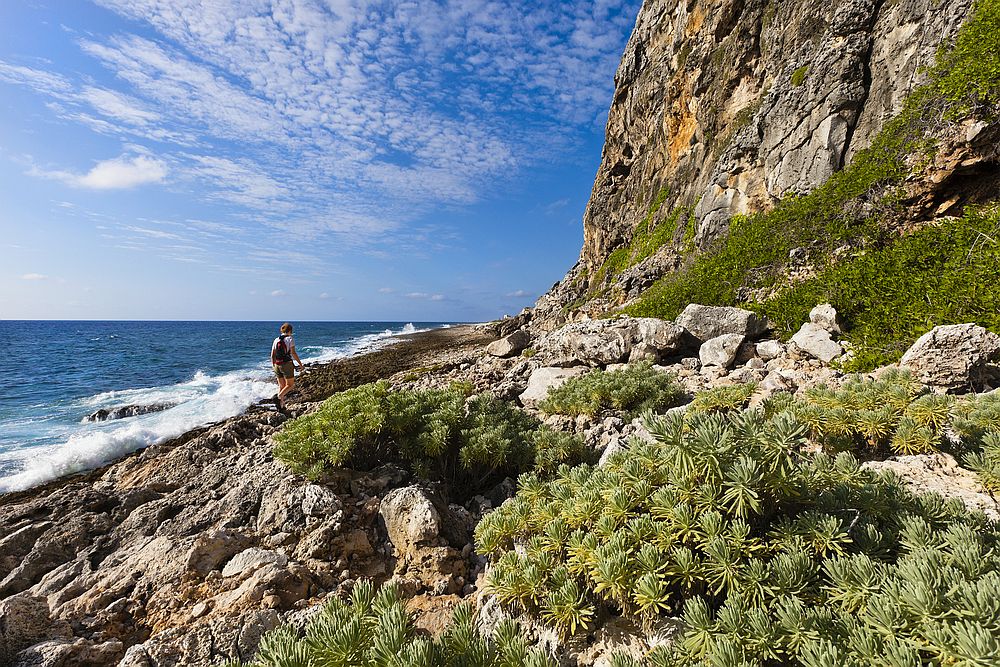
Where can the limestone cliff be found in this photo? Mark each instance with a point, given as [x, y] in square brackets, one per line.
[726, 105]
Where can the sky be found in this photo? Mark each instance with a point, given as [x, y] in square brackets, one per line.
[425, 160]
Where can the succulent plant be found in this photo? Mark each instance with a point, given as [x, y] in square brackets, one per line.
[770, 556]
[375, 630]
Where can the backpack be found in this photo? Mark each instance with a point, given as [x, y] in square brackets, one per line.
[280, 355]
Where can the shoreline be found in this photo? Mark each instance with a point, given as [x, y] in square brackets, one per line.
[410, 352]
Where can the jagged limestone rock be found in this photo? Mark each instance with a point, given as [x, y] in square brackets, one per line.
[252, 559]
[411, 519]
[509, 345]
[815, 341]
[721, 350]
[707, 322]
[952, 356]
[604, 342]
[826, 316]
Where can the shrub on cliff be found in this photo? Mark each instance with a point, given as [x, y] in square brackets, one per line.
[632, 389]
[446, 435]
[375, 630]
[771, 557]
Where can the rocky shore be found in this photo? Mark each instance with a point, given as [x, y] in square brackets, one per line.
[187, 552]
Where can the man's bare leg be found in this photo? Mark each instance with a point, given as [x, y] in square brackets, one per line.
[285, 390]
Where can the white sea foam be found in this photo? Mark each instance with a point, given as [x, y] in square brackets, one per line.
[90, 446]
[204, 399]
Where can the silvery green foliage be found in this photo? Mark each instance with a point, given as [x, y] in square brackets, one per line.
[470, 442]
[633, 389]
[770, 557]
[375, 630]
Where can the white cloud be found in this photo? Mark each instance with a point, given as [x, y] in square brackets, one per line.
[114, 174]
[386, 290]
[518, 293]
[341, 118]
[34, 276]
[278, 292]
[324, 295]
[425, 296]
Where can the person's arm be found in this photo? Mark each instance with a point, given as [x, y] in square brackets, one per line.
[295, 354]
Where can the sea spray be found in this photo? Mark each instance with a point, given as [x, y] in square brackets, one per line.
[45, 435]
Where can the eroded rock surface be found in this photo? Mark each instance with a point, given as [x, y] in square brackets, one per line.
[953, 357]
[186, 553]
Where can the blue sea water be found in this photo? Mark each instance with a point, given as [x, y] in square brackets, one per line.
[56, 373]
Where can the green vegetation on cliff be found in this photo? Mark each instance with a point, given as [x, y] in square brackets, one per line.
[648, 238]
[890, 289]
[441, 435]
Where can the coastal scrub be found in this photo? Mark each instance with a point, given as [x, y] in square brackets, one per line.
[770, 556]
[468, 441]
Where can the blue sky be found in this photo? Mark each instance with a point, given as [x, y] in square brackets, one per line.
[297, 159]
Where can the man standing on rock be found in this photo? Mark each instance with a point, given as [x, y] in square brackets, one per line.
[282, 354]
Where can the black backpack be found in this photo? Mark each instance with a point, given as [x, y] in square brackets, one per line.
[280, 354]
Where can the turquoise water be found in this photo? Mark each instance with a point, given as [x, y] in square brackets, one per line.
[57, 373]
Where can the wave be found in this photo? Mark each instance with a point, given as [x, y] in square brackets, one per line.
[202, 400]
[221, 397]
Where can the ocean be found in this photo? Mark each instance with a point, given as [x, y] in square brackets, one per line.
[56, 373]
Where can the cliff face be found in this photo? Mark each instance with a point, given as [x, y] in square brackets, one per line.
[726, 105]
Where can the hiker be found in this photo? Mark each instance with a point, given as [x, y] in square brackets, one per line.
[282, 354]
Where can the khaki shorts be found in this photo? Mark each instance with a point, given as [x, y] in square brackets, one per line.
[285, 371]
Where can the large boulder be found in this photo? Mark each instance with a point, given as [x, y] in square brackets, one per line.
[545, 379]
[603, 342]
[721, 350]
[411, 519]
[708, 322]
[509, 345]
[952, 356]
[770, 349]
[815, 341]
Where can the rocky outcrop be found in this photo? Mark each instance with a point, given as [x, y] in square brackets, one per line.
[953, 357]
[816, 341]
[727, 105]
[187, 552]
[544, 379]
[510, 344]
[603, 342]
[707, 322]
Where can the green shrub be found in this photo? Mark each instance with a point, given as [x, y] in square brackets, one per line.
[967, 73]
[888, 295]
[892, 414]
[375, 630]
[648, 238]
[772, 558]
[442, 435]
[724, 399]
[633, 389]
[977, 423]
